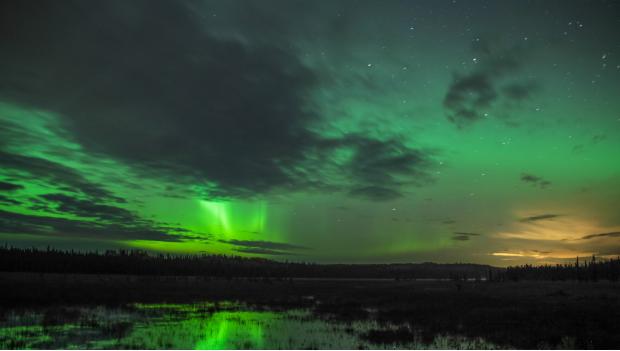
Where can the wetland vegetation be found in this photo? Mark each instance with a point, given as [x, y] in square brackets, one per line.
[116, 311]
[520, 307]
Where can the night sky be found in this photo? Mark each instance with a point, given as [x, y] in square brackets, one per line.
[327, 131]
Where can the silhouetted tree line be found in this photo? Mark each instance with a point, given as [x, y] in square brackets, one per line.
[592, 269]
[137, 262]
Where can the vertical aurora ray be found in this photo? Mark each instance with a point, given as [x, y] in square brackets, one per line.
[217, 212]
[235, 219]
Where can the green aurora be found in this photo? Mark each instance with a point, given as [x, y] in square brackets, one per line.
[329, 131]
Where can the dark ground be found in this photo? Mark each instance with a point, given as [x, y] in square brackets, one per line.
[514, 314]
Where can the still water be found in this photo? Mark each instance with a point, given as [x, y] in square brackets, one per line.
[198, 326]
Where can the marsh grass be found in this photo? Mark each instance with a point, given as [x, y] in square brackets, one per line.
[228, 325]
[349, 314]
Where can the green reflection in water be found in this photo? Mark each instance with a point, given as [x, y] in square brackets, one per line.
[196, 326]
[200, 327]
[224, 329]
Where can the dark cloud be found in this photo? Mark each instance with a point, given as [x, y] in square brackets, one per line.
[146, 83]
[375, 193]
[34, 169]
[475, 93]
[176, 100]
[468, 97]
[379, 168]
[16, 223]
[594, 140]
[539, 217]
[535, 180]
[460, 237]
[264, 244]
[467, 233]
[464, 236]
[9, 201]
[382, 162]
[86, 208]
[187, 235]
[5, 186]
[259, 251]
[89, 213]
[602, 235]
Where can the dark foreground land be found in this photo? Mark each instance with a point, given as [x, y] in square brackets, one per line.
[520, 314]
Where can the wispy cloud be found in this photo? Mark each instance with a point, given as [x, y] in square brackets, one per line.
[464, 236]
[602, 235]
[539, 217]
[260, 251]
[535, 180]
[264, 247]
[6, 186]
[492, 83]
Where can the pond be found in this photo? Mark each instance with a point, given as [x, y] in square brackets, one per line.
[224, 325]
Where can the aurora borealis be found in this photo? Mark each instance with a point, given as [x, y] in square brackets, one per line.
[327, 131]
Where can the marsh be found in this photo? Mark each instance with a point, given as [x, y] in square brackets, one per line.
[222, 325]
[116, 311]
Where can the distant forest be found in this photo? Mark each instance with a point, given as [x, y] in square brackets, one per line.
[590, 269]
[138, 262]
